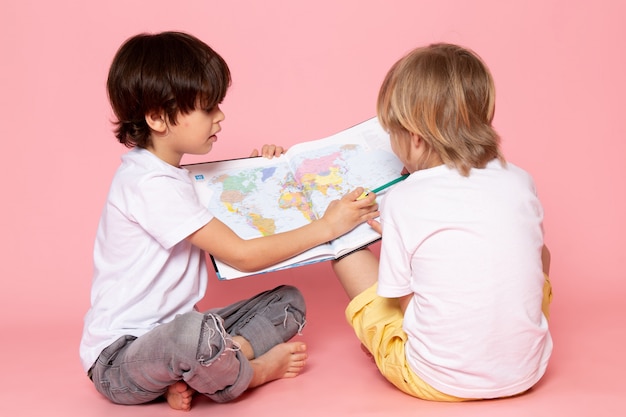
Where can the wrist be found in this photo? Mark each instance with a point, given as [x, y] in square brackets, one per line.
[324, 230]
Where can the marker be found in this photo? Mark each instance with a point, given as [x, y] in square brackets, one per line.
[382, 187]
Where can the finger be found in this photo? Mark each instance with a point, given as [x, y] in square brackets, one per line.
[371, 198]
[370, 212]
[255, 153]
[354, 194]
[373, 206]
[268, 150]
[366, 199]
[378, 228]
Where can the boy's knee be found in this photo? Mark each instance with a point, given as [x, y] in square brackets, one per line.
[197, 336]
[180, 339]
[184, 330]
[293, 296]
[292, 311]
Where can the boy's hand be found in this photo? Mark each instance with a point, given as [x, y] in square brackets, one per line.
[269, 151]
[345, 214]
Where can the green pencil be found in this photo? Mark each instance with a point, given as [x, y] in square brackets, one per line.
[384, 186]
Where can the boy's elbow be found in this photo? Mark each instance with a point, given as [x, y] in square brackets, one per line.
[246, 263]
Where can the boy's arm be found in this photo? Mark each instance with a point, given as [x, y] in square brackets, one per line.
[251, 255]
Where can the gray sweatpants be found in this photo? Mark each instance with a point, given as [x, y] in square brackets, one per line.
[197, 348]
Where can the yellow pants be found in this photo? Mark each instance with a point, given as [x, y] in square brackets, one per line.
[377, 322]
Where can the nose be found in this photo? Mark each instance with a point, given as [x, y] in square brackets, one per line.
[220, 114]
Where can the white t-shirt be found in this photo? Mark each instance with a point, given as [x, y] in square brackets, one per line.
[469, 250]
[145, 271]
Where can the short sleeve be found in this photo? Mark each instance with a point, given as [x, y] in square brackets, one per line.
[167, 208]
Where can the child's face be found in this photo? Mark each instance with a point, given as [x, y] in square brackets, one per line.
[195, 132]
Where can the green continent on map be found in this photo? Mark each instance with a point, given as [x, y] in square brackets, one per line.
[244, 182]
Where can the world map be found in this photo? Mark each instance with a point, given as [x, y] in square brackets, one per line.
[287, 193]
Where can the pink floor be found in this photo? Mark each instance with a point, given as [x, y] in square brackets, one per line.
[585, 378]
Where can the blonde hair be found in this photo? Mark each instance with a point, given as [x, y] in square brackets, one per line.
[445, 94]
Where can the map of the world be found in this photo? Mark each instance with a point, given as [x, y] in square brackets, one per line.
[274, 198]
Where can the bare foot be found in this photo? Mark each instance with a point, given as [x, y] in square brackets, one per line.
[282, 361]
[179, 396]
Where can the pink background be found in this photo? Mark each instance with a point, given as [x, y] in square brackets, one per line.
[302, 71]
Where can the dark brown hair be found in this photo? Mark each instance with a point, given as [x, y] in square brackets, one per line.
[170, 72]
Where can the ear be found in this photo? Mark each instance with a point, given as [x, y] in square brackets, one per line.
[156, 121]
[416, 141]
